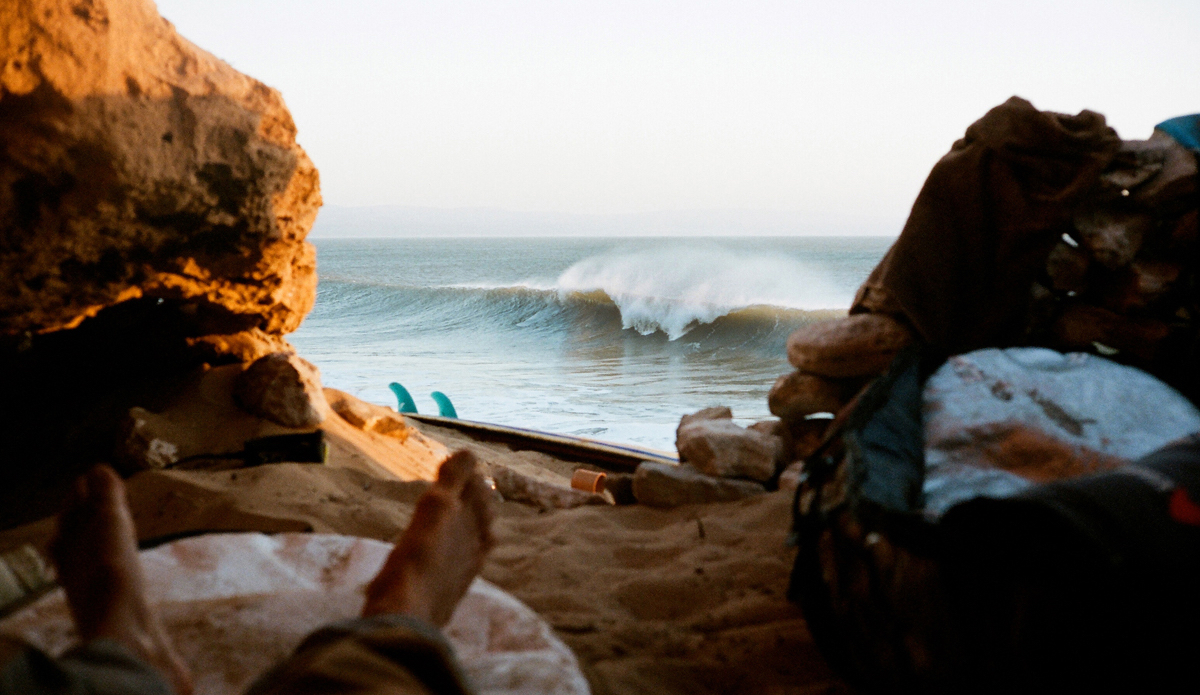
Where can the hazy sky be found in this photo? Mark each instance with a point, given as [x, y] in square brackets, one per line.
[831, 110]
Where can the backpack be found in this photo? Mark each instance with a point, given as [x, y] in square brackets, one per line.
[1085, 584]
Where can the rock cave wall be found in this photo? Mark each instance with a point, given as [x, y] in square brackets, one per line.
[153, 209]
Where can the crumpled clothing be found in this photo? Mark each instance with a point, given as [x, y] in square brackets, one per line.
[984, 223]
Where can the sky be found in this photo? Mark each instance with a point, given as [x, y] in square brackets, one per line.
[828, 114]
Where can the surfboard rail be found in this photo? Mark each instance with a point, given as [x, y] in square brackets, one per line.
[608, 455]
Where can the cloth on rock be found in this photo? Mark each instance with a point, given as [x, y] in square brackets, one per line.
[984, 223]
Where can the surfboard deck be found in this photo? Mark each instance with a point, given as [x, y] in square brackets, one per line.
[609, 455]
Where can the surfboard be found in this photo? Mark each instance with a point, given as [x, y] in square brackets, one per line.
[608, 455]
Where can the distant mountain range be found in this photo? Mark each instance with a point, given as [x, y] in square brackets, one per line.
[401, 221]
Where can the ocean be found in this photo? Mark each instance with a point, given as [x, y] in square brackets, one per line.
[608, 338]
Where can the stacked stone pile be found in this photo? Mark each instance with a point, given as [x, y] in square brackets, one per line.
[1124, 281]
[720, 461]
[833, 361]
[1121, 281]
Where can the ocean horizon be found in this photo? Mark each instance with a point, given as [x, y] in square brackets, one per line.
[612, 338]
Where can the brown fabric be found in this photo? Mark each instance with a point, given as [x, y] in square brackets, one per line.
[100, 667]
[384, 655]
[984, 223]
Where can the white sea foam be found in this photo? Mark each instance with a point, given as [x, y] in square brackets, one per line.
[676, 288]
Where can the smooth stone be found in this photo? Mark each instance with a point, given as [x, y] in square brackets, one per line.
[283, 388]
[724, 448]
[797, 394]
[515, 486]
[367, 416]
[666, 485]
[856, 346]
[720, 412]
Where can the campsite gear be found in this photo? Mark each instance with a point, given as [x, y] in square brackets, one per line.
[309, 447]
[306, 447]
[999, 421]
[1035, 229]
[588, 481]
[1085, 584]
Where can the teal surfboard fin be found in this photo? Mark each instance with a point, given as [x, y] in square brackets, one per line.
[406, 403]
[445, 407]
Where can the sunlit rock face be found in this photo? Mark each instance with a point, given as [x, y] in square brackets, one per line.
[135, 164]
[153, 209]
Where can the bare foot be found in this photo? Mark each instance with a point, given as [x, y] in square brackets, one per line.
[441, 551]
[98, 567]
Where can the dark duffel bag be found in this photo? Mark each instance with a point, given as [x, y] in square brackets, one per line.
[1081, 585]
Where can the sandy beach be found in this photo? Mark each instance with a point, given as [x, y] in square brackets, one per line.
[684, 600]
[688, 600]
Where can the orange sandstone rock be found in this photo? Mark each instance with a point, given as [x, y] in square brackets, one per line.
[856, 346]
[283, 388]
[153, 209]
[134, 164]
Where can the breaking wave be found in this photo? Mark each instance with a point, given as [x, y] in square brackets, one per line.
[674, 290]
[713, 297]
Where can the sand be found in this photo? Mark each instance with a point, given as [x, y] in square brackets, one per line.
[686, 600]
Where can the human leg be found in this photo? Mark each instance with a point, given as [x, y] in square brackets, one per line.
[396, 646]
[124, 648]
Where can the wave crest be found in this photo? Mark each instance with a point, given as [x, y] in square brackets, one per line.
[674, 290]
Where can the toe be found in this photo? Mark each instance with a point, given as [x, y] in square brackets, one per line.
[457, 470]
[431, 511]
[105, 486]
[477, 496]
